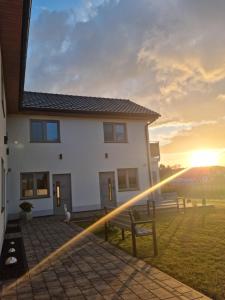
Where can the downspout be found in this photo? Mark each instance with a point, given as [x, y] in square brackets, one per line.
[148, 156]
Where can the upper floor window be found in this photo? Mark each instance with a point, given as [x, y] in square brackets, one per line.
[34, 185]
[128, 179]
[115, 132]
[44, 131]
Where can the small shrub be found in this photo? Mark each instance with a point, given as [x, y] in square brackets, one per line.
[26, 206]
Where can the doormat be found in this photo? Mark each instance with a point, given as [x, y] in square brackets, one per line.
[12, 228]
[20, 267]
[15, 221]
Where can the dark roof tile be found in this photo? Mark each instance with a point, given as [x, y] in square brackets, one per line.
[85, 105]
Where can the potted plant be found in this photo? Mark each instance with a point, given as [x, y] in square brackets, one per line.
[27, 210]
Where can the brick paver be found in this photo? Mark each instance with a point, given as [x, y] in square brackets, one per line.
[90, 269]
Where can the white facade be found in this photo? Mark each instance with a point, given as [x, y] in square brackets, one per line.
[155, 175]
[3, 158]
[83, 156]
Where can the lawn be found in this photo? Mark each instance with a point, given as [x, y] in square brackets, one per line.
[191, 247]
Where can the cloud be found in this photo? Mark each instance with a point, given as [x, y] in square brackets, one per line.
[221, 97]
[149, 51]
[166, 132]
[207, 136]
[100, 57]
[179, 51]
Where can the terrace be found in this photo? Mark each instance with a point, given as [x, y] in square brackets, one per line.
[90, 269]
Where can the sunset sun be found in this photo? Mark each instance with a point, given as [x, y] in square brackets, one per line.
[204, 158]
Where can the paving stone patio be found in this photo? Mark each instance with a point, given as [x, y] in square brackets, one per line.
[90, 269]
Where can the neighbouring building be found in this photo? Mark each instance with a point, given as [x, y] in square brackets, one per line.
[85, 152]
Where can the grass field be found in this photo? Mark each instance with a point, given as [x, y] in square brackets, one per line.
[191, 247]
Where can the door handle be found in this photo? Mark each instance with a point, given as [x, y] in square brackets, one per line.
[58, 194]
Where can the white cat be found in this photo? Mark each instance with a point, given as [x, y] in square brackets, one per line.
[67, 214]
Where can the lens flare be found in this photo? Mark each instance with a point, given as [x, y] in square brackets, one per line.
[42, 264]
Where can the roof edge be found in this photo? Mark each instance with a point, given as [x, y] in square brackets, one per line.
[148, 117]
[24, 45]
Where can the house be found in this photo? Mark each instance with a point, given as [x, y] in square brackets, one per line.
[14, 24]
[57, 150]
[85, 152]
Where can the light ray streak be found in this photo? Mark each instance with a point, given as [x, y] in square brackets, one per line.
[92, 227]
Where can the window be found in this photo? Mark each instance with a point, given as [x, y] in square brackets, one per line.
[42, 131]
[2, 186]
[34, 185]
[115, 132]
[128, 179]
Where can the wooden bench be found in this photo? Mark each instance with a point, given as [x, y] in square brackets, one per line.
[133, 220]
[172, 202]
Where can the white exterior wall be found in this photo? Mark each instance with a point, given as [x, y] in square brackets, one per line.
[154, 162]
[2, 155]
[83, 149]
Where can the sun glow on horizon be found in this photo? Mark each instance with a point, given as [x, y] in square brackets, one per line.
[204, 158]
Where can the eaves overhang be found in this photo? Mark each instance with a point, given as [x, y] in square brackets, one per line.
[14, 28]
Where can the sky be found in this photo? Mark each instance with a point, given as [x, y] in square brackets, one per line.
[168, 55]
